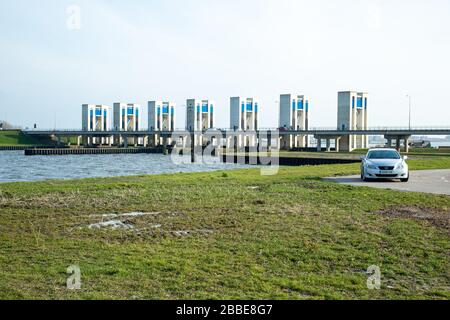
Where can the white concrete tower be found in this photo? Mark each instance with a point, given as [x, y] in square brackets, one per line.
[127, 118]
[161, 117]
[244, 116]
[199, 117]
[294, 115]
[96, 118]
[352, 115]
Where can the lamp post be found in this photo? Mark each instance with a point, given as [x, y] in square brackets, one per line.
[409, 99]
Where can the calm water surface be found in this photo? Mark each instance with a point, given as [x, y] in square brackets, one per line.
[15, 166]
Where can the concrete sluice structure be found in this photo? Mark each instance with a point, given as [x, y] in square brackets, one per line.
[161, 117]
[200, 117]
[293, 132]
[127, 118]
[294, 115]
[244, 117]
[352, 115]
[96, 118]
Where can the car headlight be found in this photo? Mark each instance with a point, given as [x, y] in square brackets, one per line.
[372, 167]
[400, 166]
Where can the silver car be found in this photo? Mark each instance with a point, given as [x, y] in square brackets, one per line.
[384, 164]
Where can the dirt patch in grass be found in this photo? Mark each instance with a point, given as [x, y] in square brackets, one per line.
[436, 217]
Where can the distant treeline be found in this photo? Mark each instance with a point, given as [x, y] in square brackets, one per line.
[5, 125]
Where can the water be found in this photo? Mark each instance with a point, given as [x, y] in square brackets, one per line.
[437, 144]
[15, 166]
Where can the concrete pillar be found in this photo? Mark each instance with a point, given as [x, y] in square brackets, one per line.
[328, 145]
[319, 145]
[79, 141]
[165, 145]
[125, 141]
[338, 142]
[389, 142]
[110, 141]
[397, 144]
[193, 160]
[406, 140]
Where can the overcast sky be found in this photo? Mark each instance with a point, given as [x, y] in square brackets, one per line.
[135, 51]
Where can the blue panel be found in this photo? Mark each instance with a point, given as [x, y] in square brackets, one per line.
[123, 112]
[159, 111]
[172, 111]
[205, 108]
[256, 107]
[104, 113]
[300, 105]
[365, 103]
[211, 108]
[249, 106]
[98, 112]
[353, 102]
[91, 118]
[293, 104]
[307, 105]
[130, 111]
[165, 109]
[243, 107]
[359, 103]
[198, 108]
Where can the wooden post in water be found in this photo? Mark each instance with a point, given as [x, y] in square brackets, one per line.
[193, 160]
[165, 145]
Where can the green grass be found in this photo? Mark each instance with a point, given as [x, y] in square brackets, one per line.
[357, 154]
[13, 138]
[428, 162]
[288, 236]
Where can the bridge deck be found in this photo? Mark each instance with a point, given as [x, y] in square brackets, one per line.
[318, 132]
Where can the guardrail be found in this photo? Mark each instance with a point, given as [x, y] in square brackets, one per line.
[380, 128]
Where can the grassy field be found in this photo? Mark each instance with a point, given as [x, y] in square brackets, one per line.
[15, 138]
[224, 235]
[358, 154]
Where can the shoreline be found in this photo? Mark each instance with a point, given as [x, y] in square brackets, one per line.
[421, 163]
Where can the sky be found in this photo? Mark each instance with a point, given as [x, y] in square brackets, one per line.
[52, 59]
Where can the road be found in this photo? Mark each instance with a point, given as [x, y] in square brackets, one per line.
[427, 181]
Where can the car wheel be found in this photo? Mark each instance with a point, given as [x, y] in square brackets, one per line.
[363, 177]
[405, 180]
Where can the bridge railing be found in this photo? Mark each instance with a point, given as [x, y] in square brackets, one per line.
[318, 129]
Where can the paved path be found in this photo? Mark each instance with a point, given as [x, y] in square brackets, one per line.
[428, 181]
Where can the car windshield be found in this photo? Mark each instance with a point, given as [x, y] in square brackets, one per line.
[383, 154]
